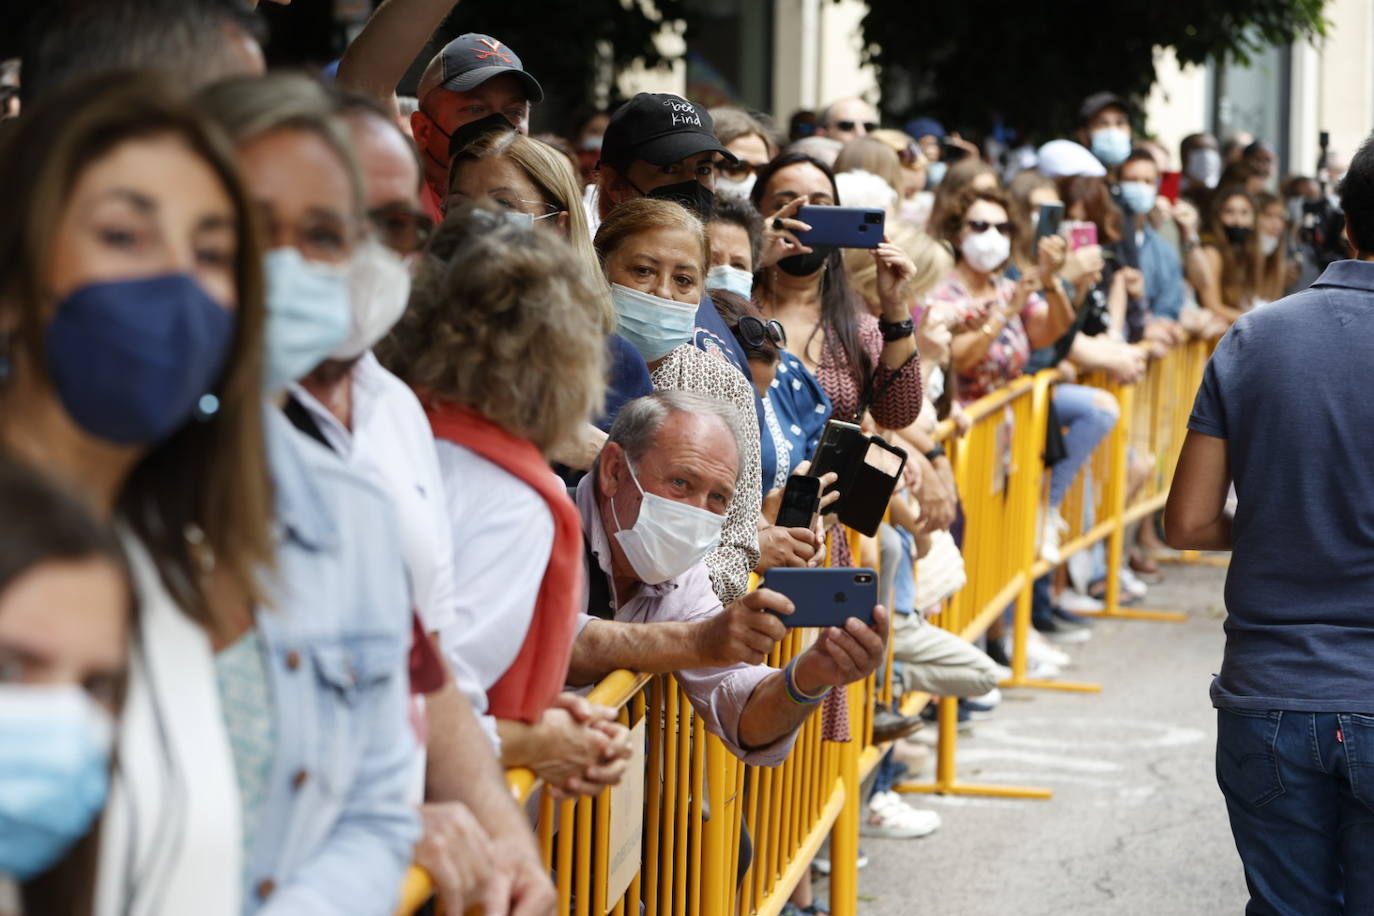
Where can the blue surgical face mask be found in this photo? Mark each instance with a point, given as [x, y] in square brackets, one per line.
[308, 315]
[935, 173]
[731, 279]
[54, 773]
[1111, 145]
[130, 359]
[655, 326]
[1138, 196]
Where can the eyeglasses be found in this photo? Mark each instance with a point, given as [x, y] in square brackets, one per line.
[869, 126]
[981, 225]
[403, 230]
[755, 332]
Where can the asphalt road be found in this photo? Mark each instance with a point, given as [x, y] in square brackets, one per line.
[1137, 824]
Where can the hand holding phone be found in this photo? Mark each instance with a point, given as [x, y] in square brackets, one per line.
[801, 500]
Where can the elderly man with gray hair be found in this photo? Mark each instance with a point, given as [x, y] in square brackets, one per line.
[652, 508]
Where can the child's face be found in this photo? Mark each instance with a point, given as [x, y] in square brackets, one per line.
[66, 622]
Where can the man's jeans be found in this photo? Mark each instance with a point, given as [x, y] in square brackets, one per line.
[1300, 791]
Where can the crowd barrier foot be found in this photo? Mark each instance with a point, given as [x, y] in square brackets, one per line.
[1137, 613]
[1040, 684]
[978, 789]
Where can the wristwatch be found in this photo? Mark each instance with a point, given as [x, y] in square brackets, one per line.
[896, 330]
[937, 452]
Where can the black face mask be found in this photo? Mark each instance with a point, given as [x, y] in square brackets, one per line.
[691, 194]
[1237, 235]
[804, 265]
[491, 124]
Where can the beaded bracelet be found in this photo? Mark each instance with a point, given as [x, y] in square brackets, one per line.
[794, 693]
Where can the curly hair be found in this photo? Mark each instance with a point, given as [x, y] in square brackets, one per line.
[952, 220]
[505, 321]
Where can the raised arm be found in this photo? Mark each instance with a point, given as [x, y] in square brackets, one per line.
[377, 59]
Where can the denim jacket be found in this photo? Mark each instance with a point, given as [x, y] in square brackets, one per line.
[337, 831]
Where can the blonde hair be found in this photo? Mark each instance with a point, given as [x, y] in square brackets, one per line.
[504, 320]
[553, 177]
[646, 214]
[904, 145]
[250, 106]
[863, 154]
[932, 259]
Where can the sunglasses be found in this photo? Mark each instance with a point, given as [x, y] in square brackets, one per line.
[869, 126]
[980, 226]
[909, 155]
[755, 332]
[403, 230]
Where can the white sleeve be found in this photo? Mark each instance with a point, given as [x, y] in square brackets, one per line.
[502, 534]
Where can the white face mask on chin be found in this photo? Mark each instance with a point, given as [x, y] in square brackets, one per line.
[668, 538]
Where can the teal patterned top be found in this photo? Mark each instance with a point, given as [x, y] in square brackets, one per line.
[246, 704]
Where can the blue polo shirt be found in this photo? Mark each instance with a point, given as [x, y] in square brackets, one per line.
[1288, 389]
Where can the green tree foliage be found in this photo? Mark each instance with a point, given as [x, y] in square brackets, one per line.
[972, 62]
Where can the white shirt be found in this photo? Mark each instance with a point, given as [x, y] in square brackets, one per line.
[172, 835]
[502, 536]
[391, 444]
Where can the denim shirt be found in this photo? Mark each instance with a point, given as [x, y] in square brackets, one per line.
[337, 831]
[1163, 275]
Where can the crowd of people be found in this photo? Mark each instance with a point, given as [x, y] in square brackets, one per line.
[348, 439]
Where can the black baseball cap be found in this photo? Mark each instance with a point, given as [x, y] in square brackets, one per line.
[661, 129]
[1098, 101]
[469, 61]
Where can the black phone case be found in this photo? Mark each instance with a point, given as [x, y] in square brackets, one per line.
[842, 446]
[792, 515]
[870, 490]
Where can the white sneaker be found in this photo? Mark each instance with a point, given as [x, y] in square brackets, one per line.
[1052, 529]
[1038, 647]
[1041, 670]
[1003, 672]
[989, 700]
[889, 816]
[1076, 602]
[1131, 584]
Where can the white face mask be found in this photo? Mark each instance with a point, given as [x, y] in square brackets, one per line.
[986, 251]
[668, 538]
[915, 210]
[1204, 166]
[378, 290]
[731, 279]
[1268, 243]
[737, 188]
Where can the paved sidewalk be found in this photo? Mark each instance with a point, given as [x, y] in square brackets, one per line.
[1137, 824]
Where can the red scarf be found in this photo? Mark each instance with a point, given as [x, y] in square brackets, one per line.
[535, 678]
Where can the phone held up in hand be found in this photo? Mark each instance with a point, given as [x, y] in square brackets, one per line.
[825, 597]
[1047, 223]
[842, 227]
[801, 499]
[869, 469]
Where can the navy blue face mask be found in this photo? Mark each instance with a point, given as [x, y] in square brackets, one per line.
[130, 359]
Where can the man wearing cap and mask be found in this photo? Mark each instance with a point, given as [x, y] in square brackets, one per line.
[473, 78]
[1105, 129]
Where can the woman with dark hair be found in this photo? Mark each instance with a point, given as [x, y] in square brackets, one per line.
[65, 611]
[1225, 268]
[861, 361]
[1118, 307]
[132, 313]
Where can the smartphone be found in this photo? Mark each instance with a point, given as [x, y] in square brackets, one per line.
[825, 597]
[841, 447]
[1080, 233]
[842, 227]
[801, 499]
[1169, 186]
[1051, 215]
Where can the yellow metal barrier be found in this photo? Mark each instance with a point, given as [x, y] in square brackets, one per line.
[703, 807]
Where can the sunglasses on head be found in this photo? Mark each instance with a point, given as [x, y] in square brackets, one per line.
[400, 228]
[755, 332]
[981, 225]
[909, 155]
[869, 126]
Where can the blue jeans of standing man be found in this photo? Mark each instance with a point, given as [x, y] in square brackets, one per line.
[1088, 414]
[1299, 788]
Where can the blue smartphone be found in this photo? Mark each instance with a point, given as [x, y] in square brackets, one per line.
[825, 597]
[842, 227]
